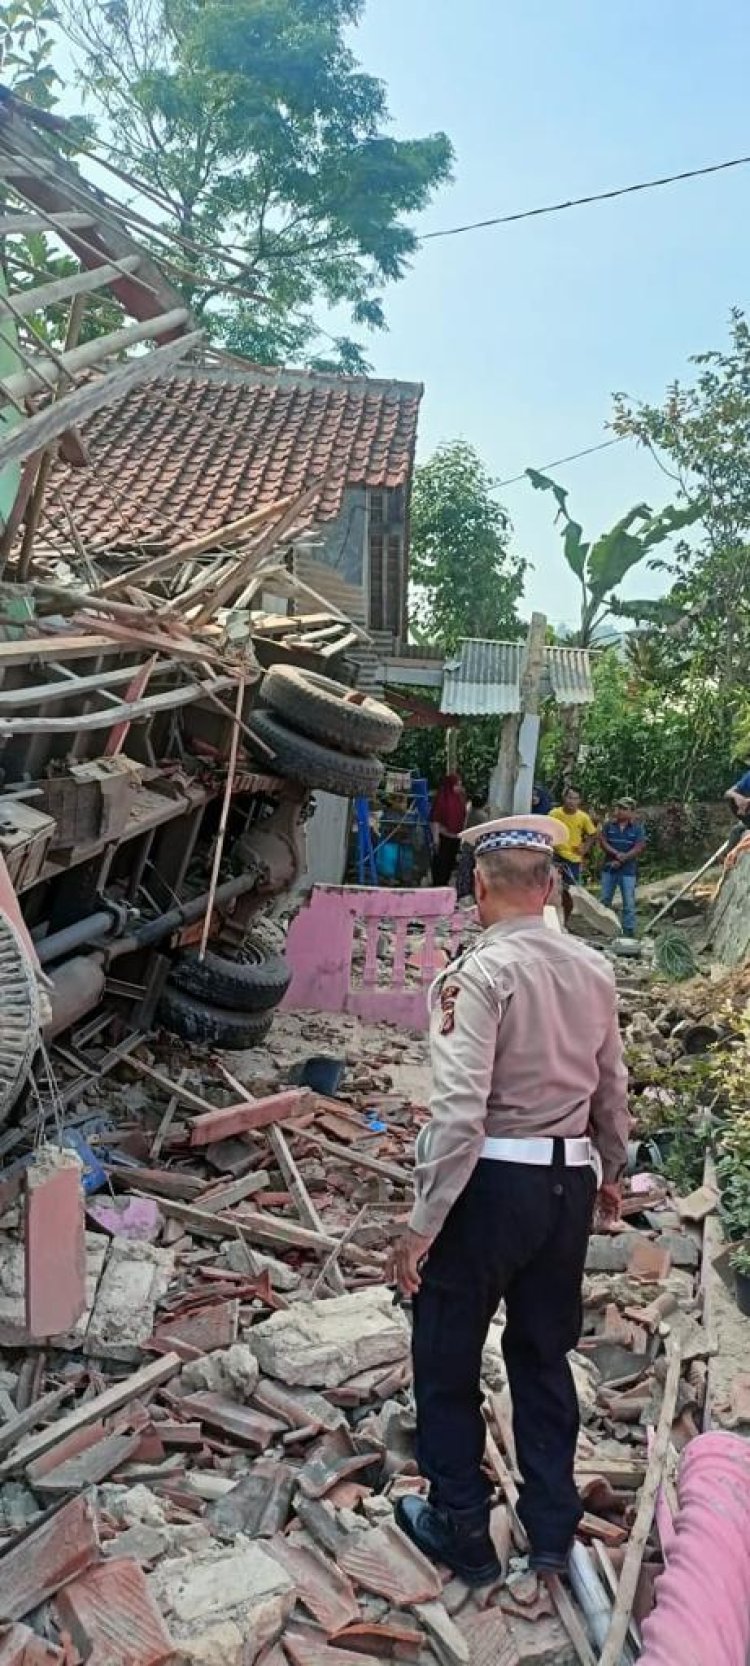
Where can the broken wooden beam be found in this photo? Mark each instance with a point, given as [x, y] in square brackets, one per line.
[100, 1405]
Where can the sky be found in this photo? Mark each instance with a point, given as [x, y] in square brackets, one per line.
[522, 333]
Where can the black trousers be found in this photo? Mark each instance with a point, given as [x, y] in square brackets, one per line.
[518, 1232]
[444, 859]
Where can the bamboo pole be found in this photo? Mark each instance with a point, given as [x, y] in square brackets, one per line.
[218, 852]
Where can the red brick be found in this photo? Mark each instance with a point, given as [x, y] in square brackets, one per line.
[55, 1243]
[113, 1619]
[242, 1424]
[47, 1558]
[248, 1114]
[79, 1441]
[383, 1560]
[647, 1260]
[322, 1588]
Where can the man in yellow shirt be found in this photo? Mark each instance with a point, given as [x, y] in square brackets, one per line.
[581, 833]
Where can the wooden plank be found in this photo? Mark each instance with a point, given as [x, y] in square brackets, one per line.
[19, 225]
[100, 1405]
[26, 301]
[42, 377]
[631, 1566]
[260, 1229]
[222, 594]
[216, 1198]
[16, 1427]
[70, 689]
[168, 701]
[360, 1159]
[303, 1202]
[166, 1121]
[75, 409]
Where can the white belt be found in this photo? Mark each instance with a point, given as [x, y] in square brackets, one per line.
[578, 1153]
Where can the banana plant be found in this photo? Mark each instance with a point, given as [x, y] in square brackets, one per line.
[602, 565]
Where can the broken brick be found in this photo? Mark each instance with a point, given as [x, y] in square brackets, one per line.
[48, 1557]
[55, 1243]
[385, 1640]
[251, 1428]
[648, 1260]
[258, 1505]
[113, 1619]
[230, 1120]
[20, 1646]
[384, 1561]
[307, 1651]
[321, 1586]
[90, 1466]
[199, 1333]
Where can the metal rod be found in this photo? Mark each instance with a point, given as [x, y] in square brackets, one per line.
[689, 883]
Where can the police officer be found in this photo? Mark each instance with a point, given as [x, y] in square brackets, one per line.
[528, 1118]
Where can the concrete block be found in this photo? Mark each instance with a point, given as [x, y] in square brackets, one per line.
[232, 1372]
[224, 1607]
[590, 918]
[54, 1242]
[323, 1344]
[135, 1278]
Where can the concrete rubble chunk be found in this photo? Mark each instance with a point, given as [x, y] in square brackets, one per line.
[324, 1343]
[235, 1257]
[489, 1637]
[542, 1642]
[590, 918]
[223, 1606]
[232, 1372]
[135, 1278]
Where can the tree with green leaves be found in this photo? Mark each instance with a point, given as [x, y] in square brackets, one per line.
[467, 581]
[267, 152]
[700, 437]
[601, 566]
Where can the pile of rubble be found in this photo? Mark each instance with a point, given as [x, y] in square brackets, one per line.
[207, 1411]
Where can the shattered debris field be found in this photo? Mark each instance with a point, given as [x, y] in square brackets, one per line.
[205, 1390]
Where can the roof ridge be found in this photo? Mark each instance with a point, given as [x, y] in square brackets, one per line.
[289, 376]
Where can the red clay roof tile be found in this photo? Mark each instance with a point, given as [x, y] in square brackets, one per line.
[180, 457]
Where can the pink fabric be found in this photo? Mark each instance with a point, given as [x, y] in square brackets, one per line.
[702, 1613]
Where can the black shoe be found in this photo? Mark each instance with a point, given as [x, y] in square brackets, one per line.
[460, 1540]
[550, 1564]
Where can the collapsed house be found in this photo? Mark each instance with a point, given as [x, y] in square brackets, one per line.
[169, 536]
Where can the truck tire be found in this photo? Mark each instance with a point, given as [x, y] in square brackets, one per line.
[253, 982]
[304, 760]
[193, 1020]
[317, 706]
[20, 1015]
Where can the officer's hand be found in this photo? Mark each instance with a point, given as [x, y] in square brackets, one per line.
[609, 1201]
[410, 1251]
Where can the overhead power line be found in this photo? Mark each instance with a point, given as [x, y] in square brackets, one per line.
[558, 462]
[581, 202]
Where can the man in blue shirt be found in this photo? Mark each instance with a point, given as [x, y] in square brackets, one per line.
[739, 798]
[622, 839]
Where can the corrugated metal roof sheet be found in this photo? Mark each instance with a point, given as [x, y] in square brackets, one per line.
[569, 674]
[485, 679]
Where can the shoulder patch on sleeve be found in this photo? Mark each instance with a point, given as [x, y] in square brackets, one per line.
[448, 997]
